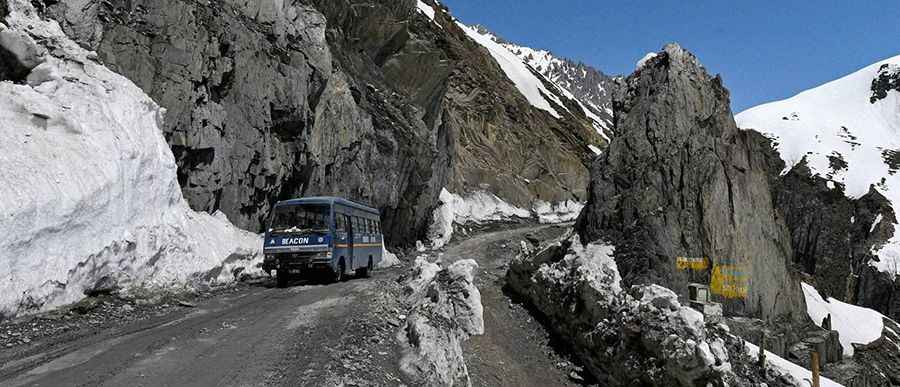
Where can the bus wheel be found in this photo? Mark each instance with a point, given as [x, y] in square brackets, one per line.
[338, 276]
[364, 272]
[281, 278]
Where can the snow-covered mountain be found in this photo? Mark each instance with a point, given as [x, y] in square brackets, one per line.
[847, 131]
[588, 86]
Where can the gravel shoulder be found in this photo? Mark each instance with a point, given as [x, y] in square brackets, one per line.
[516, 349]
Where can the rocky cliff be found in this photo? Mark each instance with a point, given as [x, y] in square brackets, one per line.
[685, 197]
[373, 100]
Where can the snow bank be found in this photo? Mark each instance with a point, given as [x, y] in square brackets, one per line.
[801, 376]
[856, 325]
[484, 207]
[89, 188]
[388, 259]
[840, 119]
[592, 264]
[518, 72]
[446, 311]
[479, 207]
[562, 212]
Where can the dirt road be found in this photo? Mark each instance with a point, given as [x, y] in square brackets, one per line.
[315, 335]
[304, 335]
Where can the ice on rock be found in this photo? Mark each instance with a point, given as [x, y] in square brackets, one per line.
[439, 296]
[89, 188]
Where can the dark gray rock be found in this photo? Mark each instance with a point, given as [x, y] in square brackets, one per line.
[888, 79]
[680, 180]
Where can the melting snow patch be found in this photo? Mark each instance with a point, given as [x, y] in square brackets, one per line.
[481, 207]
[478, 207]
[801, 375]
[562, 212]
[428, 11]
[855, 324]
[446, 311]
[388, 259]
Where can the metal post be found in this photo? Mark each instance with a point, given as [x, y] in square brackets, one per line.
[815, 369]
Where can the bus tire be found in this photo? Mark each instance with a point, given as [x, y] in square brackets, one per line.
[338, 275]
[281, 278]
[364, 272]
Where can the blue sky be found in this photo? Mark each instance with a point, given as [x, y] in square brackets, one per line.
[765, 50]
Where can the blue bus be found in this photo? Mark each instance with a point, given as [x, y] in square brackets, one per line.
[322, 234]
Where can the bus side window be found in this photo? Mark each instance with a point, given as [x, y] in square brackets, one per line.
[377, 227]
[369, 226]
[338, 221]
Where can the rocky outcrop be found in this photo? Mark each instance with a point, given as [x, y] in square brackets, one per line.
[887, 79]
[367, 99]
[684, 197]
[629, 336]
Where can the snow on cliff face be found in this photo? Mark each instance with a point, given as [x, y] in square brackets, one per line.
[856, 325]
[88, 188]
[850, 120]
[518, 72]
[589, 88]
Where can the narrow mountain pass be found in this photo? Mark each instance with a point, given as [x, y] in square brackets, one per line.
[516, 349]
[308, 334]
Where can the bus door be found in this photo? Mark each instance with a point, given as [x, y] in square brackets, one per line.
[348, 228]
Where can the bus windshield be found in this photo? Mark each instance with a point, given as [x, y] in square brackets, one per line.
[300, 219]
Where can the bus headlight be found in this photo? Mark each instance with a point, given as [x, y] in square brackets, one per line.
[328, 255]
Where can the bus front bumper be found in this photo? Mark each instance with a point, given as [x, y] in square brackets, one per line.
[297, 262]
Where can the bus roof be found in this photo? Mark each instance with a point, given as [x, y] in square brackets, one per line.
[329, 200]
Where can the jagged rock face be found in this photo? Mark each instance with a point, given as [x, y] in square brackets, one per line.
[680, 180]
[832, 235]
[880, 291]
[364, 99]
[503, 144]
